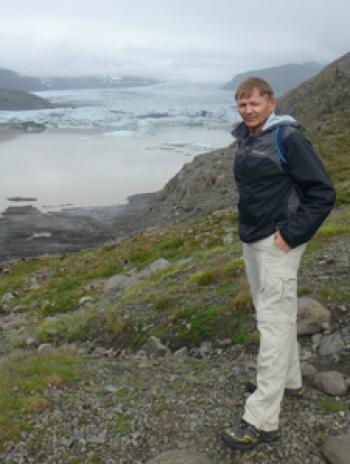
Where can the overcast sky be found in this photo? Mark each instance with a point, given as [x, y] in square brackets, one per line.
[190, 39]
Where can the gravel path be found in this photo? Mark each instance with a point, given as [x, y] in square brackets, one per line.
[128, 409]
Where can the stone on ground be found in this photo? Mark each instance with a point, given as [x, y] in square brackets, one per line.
[337, 449]
[179, 457]
[155, 347]
[332, 382]
[311, 316]
[330, 345]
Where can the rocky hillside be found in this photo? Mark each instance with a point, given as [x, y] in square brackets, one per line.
[322, 105]
[124, 352]
[18, 100]
[282, 78]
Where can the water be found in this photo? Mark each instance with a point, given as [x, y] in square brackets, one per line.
[107, 144]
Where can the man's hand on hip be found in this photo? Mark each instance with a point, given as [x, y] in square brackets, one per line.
[280, 242]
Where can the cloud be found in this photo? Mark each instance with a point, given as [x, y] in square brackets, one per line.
[196, 39]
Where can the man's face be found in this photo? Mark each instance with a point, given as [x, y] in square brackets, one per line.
[255, 109]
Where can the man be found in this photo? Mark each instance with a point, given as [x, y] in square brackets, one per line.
[284, 196]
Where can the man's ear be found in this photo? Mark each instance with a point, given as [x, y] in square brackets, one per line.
[273, 103]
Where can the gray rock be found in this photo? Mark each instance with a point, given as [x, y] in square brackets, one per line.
[179, 457]
[225, 342]
[19, 309]
[85, 300]
[7, 297]
[311, 316]
[159, 265]
[308, 371]
[119, 282]
[337, 449]
[316, 340]
[206, 348]
[45, 348]
[30, 341]
[181, 353]
[331, 345]
[155, 347]
[332, 382]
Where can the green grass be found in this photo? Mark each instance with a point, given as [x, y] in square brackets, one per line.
[23, 379]
[331, 406]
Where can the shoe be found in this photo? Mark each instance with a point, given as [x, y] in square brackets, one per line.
[289, 392]
[269, 437]
[244, 436]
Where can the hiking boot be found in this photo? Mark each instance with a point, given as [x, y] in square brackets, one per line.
[244, 436]
[289, 392]
[269, 437]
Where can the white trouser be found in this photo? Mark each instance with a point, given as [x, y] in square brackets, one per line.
[272, 275]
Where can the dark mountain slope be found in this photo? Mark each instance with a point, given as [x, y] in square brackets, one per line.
[322, 106]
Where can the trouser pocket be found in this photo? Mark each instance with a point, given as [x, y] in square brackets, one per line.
[277, 296]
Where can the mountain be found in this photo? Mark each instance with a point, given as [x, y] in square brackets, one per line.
[18, 100]
[282, 78]
[322, 106]
[11, 80]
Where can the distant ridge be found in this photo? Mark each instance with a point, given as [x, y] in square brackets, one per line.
[12, 80]
[282, 78]
[18, 100]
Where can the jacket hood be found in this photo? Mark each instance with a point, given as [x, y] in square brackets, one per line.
[240, 130]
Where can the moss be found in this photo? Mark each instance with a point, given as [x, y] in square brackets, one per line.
[331, 406]
[203, 277]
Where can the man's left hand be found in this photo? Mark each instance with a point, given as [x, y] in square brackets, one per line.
[280, 242]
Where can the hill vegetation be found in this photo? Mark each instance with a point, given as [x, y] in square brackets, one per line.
[322, 106]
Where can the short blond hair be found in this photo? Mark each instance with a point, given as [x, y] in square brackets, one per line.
[246, 88]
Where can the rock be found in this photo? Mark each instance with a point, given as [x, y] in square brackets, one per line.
[7, 297]
[311, 316]
[119, 282]
[331, 345]
[347, 381]
[181, 353]
[45, 348]
[308, 371]
[316, 340]
[30, 341]
[19, 309]
[85, 300]
[305, 355]
[155, 347]
[225, 342]
[179, 457]
[159, 265]
[332, 382]
[337, 449]
[206, 348]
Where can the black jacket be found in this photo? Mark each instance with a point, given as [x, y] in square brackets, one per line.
[282, 185]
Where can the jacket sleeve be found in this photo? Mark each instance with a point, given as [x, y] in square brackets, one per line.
[316, 193]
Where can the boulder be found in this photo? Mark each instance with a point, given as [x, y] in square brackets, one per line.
[311, 316]
[119, 282]
[155, 347]
[332, 383]
[337, 449]
[308, 371]
[181, 353]
[45, 348]
[331, 345]
[179, 457]
[159, 265]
